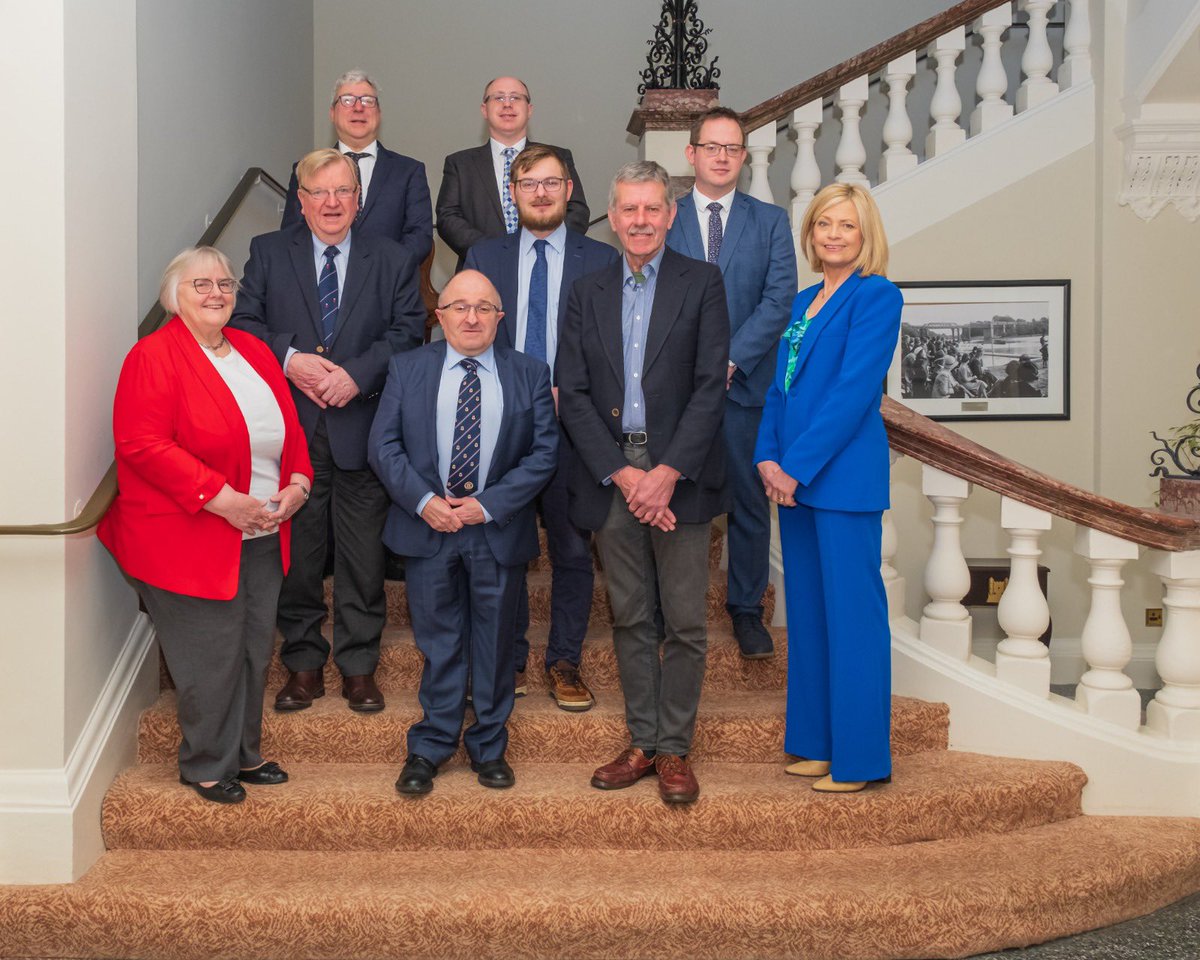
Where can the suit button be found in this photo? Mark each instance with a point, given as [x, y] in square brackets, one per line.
[320, 349]
[616, 412]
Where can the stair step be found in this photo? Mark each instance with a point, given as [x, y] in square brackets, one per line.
[736, 726]
[945, 898]
[933, 795]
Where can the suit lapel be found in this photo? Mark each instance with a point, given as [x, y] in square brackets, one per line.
[357, 268]
[689, 227]
[739, 213]
[668, 300]
[823, 319]
[306, 275]
[207, 375]
[508, 386]
[383, 169]
[487, 176]
[510, 283]
[609, 309]
[572, 270]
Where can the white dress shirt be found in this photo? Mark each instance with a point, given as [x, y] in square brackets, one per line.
[366, 165]
[703, 213]
[498, 149]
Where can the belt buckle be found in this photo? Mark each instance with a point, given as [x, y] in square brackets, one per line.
[637, 438]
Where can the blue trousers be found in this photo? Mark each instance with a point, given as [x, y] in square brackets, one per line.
[749, 517]
[839, 641]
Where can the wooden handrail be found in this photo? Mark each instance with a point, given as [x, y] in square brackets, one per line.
[922, 439]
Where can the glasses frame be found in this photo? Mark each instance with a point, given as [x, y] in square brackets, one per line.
[523, 184]
[507, 97]
[711, 149]
[321, 194]
[354, 100]
[462, 308]
[208, 285]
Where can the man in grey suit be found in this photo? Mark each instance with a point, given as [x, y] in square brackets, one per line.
[334, 305]
[752, 244]
[473, 202]
[641, 379]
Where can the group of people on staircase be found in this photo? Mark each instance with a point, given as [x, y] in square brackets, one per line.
[630, 397]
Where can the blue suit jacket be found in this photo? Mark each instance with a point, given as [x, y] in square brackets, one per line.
[758, 265]
[827, 431]
[397, 206]
[403, 452]
[381, 313]
[499, 258]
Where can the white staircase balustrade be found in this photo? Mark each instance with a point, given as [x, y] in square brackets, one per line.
[1021, 658]
[898, 128]
[992, 82]
[1077, 41]
[1038, 60]
[759, 144]
[851, 155]
[945, 623]
[1175, 709]
[806, 173]
[946, 104]
[1105, 691]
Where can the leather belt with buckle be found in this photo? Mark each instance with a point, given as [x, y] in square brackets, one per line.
[638, 439]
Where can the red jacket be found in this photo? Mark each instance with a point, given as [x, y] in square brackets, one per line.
[180, 437]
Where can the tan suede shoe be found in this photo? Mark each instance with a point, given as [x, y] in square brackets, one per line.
[808, 768]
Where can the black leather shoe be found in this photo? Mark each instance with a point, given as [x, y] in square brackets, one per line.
[362, 694]
[301, 689]
[267, 775]
[223, 791]
[417, 776]
[753, 638]
[494, 773]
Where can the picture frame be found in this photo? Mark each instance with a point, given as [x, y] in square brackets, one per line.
[984, 350]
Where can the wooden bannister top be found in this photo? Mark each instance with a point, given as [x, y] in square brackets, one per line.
[929, 442]
[876, 58]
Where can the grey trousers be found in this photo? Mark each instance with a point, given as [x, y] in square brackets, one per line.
[218, 652]
[647, 568]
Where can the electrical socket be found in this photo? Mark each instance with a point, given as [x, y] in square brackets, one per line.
[1154, 617]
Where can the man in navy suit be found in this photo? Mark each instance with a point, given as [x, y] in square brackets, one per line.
[334, 305]
[464, 439]
[752, 244]
[473, 202]
[394, 199]
[533, 271]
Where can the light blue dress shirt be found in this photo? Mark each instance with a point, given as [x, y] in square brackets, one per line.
[556, 246]
[637, 303]
[491, 412]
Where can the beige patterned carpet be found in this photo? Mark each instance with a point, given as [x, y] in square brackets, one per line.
[960, 854]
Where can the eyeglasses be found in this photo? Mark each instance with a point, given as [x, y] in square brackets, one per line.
[348, 100]
[321, 195]
[204, 285]
[551, 184]
[460, 308]
[732, 150]
[506, 98]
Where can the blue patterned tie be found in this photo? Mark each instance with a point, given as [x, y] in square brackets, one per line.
[535, 318]
[714, 231]
[463, 477]
[506, 200]
[327, 294]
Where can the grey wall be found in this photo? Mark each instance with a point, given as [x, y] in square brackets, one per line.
[222, 85]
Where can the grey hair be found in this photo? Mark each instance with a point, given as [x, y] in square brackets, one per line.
[349, 77]
[640, 171]
[182, 264]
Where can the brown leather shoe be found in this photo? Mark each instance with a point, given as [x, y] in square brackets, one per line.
[676, 781]
[362, 693]
[625, 771]
[568, 689]
[301, 689]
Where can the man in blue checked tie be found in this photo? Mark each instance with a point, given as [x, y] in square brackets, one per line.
[334, 303]
[463, 517]
[473, 202]
[534, 271]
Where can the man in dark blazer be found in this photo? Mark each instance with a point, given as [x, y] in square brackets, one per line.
[751, 242]
[473, 202]
[394, 199]
[464, 439]
[641, 380]
[524, 268]
[334, 305]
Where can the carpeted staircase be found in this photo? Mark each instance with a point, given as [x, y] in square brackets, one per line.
[960, 854]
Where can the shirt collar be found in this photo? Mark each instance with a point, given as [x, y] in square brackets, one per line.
[498, 148]
[557, 240]
[372, 148]
[319, 245]
[702, 201]
[487, 359]
[650, 269]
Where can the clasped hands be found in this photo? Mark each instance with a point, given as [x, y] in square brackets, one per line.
[251, 515]
[322, 381]
[449, 514]
[780, 488]
[648, 493]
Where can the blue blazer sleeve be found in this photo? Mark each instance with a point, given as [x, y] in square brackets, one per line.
[760, 331]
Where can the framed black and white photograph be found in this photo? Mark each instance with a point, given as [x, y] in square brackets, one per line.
[984, 350]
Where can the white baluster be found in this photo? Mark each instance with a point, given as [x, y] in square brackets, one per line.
[893, 583]
[806, 174]
[946, 104]
[1175, 709]
[1105, 691]
[1024, 615]
[1077, 39]
[945, 623]
[759, 144]
[1037, 87]
[992, 82]
[851, 154]
[898, 128]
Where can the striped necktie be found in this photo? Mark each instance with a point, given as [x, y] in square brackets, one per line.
[327, 295]
[462, 480]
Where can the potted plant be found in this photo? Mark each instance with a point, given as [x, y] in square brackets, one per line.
[1177, 462]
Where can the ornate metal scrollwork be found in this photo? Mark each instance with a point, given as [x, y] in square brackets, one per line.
[677, 51]
[1182, 448]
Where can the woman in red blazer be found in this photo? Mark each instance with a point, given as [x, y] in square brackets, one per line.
[211, 466]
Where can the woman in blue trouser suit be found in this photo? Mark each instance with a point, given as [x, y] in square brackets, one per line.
[822, 454]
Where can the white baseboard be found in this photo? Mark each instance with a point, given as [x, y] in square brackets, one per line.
[50, 817]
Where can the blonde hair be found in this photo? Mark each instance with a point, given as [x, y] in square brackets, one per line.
[182, 264]
[310, 163]
[873, 258]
